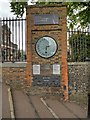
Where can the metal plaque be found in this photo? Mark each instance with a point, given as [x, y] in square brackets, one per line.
[36, 69]
[53, 80]
[56, 69]
[40, 19]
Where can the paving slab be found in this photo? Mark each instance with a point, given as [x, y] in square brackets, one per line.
[23, 109]
[76, 109]
[59, 109]
[40, 107]
[32, 106]
[0, 100]
[67, 109]
[5, 102]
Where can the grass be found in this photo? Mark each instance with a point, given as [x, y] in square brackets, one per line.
[80, 98]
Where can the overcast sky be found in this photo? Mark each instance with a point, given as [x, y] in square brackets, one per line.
[5, 8]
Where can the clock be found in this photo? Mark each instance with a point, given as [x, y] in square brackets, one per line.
[46, 47]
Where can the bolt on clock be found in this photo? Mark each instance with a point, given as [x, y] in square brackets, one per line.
[47, 46]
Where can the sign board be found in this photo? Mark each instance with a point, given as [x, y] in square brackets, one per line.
[56, 69]
[40, 19]
[36, 69]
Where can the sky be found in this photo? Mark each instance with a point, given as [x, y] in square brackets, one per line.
[5, 9]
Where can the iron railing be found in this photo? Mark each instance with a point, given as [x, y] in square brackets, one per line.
[13, 39]
[13, 42]
[79, 45]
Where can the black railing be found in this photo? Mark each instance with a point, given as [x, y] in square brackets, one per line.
[13, 42]
[78, 45]
[13, 39]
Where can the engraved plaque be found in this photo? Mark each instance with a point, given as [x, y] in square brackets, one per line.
[40, 19]
[52, 80]
[36, 69]
[56, 69]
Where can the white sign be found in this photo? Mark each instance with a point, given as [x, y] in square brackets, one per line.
[56, 69]
[36, 69]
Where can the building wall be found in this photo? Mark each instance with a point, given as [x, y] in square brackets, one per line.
[8, 48]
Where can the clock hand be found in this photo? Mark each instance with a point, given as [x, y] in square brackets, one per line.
[46, 49]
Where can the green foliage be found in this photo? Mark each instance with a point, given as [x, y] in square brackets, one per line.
[79, 44]
[78, 13]
[18, 8]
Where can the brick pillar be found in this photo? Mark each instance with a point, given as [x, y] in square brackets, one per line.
[64, 57]
[29, 51]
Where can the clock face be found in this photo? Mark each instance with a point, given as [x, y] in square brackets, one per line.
[46, 47]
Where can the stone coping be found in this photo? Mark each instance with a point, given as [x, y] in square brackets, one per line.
[78, 63]
[14, 65]
[23, 64]
[46, 5]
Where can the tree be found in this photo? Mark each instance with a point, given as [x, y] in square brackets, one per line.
[78, 12]
[18, 8]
